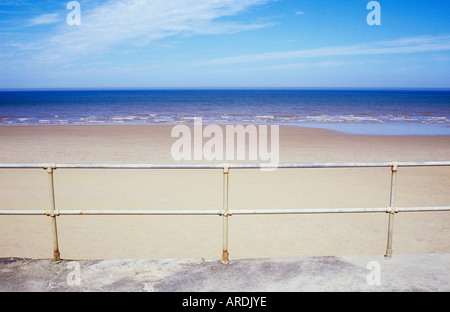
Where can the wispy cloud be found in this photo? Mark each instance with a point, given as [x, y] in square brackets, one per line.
[117, 23]
[45, 19]
[290, 66]
[400, 46]
[299, 13]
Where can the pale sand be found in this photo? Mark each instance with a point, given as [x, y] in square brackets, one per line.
[156, 237]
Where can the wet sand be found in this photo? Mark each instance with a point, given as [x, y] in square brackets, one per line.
[158, 237]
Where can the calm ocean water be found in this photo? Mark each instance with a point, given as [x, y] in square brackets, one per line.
[371, 112]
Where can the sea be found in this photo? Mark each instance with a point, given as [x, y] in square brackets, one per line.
[381, 112]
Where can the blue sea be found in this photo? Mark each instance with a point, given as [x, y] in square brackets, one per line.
[385, 112]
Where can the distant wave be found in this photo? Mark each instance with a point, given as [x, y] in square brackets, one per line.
[293, 119]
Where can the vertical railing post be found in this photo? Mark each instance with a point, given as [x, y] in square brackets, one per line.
[225, 214]
[392, 211]
[51, 185]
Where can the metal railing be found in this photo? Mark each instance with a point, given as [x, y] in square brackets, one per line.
[226, 212]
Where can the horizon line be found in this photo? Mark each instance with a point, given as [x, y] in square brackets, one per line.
[227, 89]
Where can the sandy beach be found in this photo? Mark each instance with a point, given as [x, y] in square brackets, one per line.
[158, 237]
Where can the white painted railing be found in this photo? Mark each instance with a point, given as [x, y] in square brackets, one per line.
[226, 212]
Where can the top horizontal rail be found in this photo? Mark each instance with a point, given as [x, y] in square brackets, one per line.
[221, 166]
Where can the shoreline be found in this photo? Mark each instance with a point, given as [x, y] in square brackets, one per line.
[365, 129]
[109, 237]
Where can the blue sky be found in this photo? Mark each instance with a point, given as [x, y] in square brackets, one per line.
[224, 44]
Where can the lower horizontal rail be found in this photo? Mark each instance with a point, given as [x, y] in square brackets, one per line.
[219, 212]
[338, 210]
[108, 212]
[307, 211]
[417, 209]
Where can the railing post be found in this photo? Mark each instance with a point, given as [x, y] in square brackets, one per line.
[392, 211]
[50, 169]
[225, 214]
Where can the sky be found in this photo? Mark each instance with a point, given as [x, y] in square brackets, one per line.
[224, 44]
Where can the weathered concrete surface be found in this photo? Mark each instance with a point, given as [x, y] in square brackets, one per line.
[427, 272]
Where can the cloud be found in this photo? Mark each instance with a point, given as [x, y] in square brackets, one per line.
[118, 23]
[299, 13]
[45, 19]
[400, 46]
